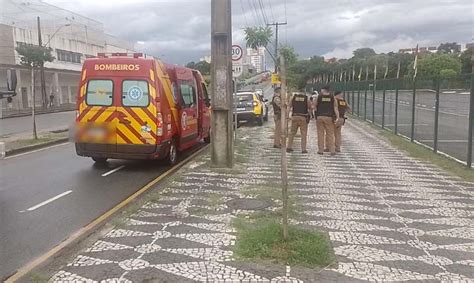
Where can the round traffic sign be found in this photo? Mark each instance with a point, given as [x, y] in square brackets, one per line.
[237, 52]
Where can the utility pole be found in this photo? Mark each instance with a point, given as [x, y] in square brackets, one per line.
[277, 24]
[222, 145]
[42, 79]
[284, 134]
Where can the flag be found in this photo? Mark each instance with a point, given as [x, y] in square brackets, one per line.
[415, 64]
[367, 73]
[386, 71]
[340, 77]
[375, 72]
[353, 72]
[332, 78]
[360, 73]
[398, 69]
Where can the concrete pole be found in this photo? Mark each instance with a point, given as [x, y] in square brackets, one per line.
[284, 133]
[222, 145]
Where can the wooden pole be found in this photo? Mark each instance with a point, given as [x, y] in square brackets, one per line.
[284, 161]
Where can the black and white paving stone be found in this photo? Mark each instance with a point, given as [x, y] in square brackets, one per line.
[389, 217]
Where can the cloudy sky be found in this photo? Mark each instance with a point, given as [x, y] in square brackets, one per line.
[179, 30]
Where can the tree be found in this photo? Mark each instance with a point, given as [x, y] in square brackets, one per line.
[449, 47]
[466, 61]
[203, 67]
[33, 56]
[257, 37]
[289, 53]
[430, 66]
[447, 73]
[364, 53]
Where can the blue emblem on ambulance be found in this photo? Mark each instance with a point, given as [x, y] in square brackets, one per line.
[135, 93]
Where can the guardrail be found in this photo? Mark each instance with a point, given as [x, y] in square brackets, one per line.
[437, 113]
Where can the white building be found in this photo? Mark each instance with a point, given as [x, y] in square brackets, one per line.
[256, 58]
[71, 37]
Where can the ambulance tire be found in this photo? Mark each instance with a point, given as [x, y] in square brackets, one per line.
[172, 157]
[100, 160]
[208, 138]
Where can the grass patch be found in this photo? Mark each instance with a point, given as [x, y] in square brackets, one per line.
[420, 152]
[263, 240]
[42, 138]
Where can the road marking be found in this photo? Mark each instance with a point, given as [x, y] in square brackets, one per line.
[94, 224]
[113, 171]
[36, 150]
[47, 201]
[447, 141]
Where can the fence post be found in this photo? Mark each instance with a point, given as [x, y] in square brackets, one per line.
[358, 99]
[471, 124]
[365, 100]
[397, 87]
[384, 82]
[413, 110]
[373, 101]
[436, 122]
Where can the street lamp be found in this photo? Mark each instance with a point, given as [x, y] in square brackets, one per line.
[59, 28]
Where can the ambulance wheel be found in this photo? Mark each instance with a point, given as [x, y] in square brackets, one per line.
[172, 157]
[208, 138]
[100, 160]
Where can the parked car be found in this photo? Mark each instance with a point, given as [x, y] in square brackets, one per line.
[249, 106]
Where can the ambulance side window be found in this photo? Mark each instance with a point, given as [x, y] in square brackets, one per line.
[135, 93]
[188, 94]
[99, 92]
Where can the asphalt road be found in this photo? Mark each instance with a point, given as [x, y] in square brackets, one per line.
[49, 121]
[453, 117]
[47, 195]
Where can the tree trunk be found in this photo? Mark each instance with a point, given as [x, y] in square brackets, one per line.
[33, 103]
[284, 161]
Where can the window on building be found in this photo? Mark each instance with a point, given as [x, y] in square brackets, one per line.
[68, 56]
[99, 92]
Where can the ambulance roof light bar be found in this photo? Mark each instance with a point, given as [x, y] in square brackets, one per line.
[119, 54]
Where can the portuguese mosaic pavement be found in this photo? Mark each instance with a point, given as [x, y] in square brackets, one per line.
[389, 217]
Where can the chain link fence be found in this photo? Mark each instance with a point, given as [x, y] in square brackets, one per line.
[437, 113]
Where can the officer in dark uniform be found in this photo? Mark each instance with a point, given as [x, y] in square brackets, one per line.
[300, 107]
[343, 107]
[276, 104]
[326, 110]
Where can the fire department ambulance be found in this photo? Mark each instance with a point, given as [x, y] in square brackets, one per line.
[130, 107]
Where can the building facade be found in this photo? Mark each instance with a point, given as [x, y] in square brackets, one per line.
[256, 58]
[71, 37]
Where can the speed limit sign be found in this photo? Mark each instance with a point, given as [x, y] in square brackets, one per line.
[237, 52]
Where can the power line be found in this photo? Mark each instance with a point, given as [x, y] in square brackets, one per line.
[254, 9]
[243, 12]
[271, 10]
[262, 10]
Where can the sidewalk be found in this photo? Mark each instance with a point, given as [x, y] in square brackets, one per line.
[389, 217]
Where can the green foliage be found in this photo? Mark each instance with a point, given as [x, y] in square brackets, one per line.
[289, 53]
[466, 60]
[202, 66]
[364, 53]
[34, 56]
[258, 36]
[447, 73]
[263, 240]
[430, 65]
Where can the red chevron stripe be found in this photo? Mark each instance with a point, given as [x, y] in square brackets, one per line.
[124, 137]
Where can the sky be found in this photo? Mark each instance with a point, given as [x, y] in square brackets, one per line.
[179, 31]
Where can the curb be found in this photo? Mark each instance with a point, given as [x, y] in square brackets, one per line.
[97, 223]
[24, 149]
[39, 112]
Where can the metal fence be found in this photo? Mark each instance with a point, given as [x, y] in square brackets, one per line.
[437, 113]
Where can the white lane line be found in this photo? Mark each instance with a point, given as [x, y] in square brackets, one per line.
[113, 171]
[37, 150]
[47, 201]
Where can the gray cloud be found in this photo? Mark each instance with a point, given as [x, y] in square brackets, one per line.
[179, 31]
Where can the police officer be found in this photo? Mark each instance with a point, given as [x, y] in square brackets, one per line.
[343, 107]
[300, 107]
[326, 110]
[276, 104]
